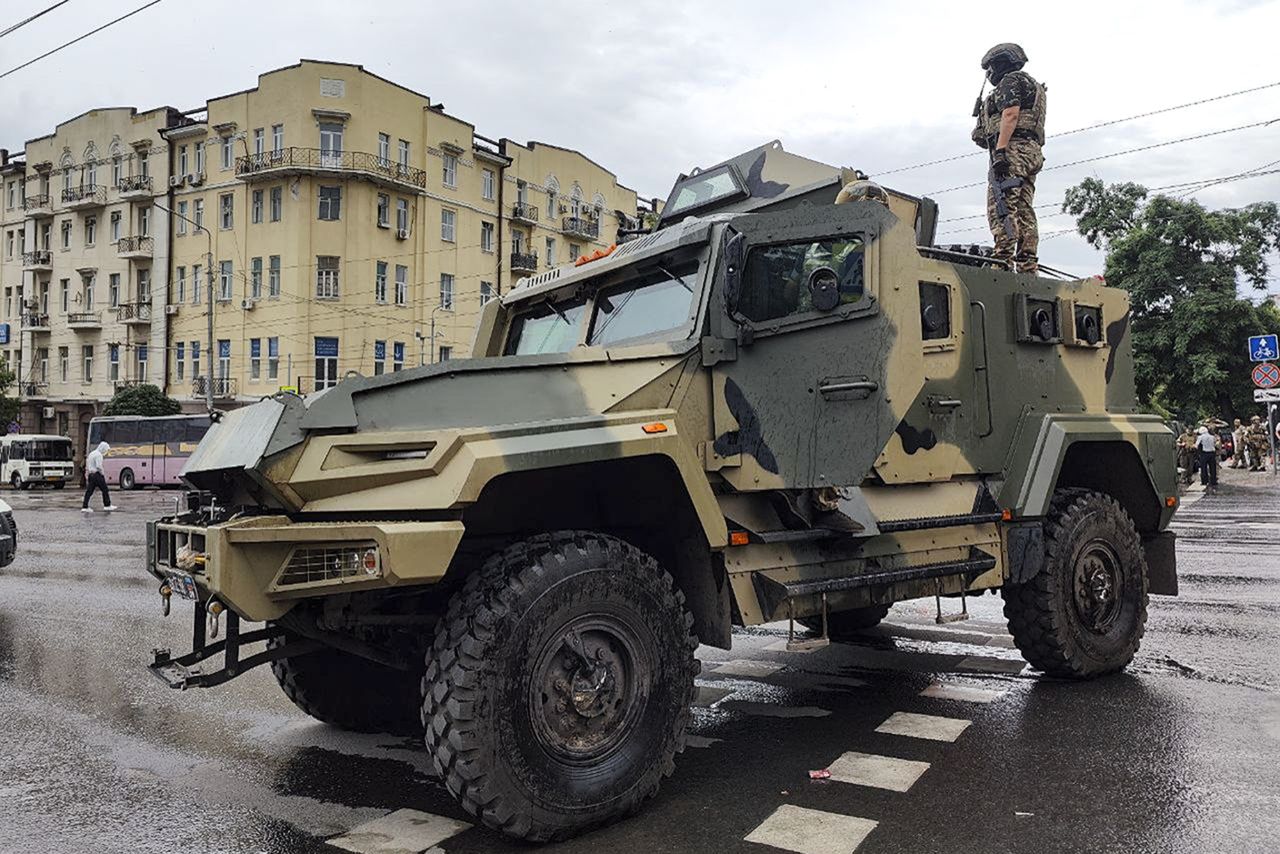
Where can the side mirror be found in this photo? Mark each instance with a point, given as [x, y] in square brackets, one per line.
[732, 250]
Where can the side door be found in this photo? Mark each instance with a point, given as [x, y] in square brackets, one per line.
[804, 399]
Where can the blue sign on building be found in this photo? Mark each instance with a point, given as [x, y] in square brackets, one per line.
[327, 348]
[4, 333]
[1262, 348]
[379, 349]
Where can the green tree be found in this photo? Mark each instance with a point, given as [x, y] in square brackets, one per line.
[1183, 266]
[8, 405]
[141, 400]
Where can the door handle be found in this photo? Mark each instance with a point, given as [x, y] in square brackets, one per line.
[947, 403]
[867, 386]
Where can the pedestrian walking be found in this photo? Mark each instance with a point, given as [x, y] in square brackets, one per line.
[1207, 444]
[95, 479]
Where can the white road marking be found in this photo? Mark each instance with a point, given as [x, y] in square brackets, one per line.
[781, 646]
[400, 832]
[992, 665]
[709, 695]
[964, 693]
[807, 831]
[747, 668]
[700, 742]
[932, 727]
[881, 772]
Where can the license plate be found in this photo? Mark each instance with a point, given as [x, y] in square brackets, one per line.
[53, 477]
[182, 585]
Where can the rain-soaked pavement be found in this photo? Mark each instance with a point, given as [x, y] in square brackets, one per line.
[1180, 754]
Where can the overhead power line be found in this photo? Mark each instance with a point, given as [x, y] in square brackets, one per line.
[26, 21]
[80, 38]
[1107, 123]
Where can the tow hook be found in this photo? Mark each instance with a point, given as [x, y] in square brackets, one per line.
[165, 592]
[214, 609]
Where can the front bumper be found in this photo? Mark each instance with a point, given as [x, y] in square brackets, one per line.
[261, 566]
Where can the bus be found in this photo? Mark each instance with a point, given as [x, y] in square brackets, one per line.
[27, 458]
[146, 451]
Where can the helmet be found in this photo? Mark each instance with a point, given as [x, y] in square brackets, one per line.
[1002, 59]
[857, 191]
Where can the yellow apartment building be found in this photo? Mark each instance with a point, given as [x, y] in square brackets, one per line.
[349, 224]
[85, 264]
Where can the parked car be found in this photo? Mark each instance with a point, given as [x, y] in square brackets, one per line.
[8, 535]
[1228, 448]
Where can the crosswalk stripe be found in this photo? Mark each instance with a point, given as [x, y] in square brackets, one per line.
[964, 693]
[747, 668]
[880, 772]
[992, 665]
[807, 831]
[931, 727]
[401, 832]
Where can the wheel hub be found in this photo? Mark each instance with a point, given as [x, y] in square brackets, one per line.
[1098, 583]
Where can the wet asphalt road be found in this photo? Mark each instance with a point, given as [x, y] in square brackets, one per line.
[1180, 754]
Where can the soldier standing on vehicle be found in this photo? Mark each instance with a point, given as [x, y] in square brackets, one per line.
[1011, 127]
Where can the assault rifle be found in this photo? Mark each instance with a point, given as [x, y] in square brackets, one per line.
[998, 190]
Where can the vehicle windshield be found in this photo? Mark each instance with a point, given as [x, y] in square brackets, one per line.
[701, 190]
[49, 450]
[546, 328]
[659, 302]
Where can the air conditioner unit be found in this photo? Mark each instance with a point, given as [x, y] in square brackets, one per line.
[402, 234]
[48, 412]
[247, 304]
[195, 179]
[175, 180]
[170, 310]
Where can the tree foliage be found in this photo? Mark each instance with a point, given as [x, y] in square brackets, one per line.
[1184, 267]
[8, 404]
[147, 400]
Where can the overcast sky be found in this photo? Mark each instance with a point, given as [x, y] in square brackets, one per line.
[650, 89]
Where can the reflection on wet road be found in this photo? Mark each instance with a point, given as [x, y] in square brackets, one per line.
[936, 737]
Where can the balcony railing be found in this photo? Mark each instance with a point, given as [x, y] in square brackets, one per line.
[85, 320]
[524, 261]
[271, 163]
[35, 322]
[135, 247]
[223, 387]
[135, 185]
[33, 388]
[581, 227]
[125, 382]
[524, 212]
[37, 258]
[88, 196]
[135, 312]
[37, 204]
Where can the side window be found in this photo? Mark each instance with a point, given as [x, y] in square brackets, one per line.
[935, 311]
[798, 278]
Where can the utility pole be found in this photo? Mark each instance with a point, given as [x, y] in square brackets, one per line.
[208, 269]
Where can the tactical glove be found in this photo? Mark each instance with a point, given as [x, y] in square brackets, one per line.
[1000, 163]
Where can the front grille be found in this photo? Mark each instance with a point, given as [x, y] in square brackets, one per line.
[323, 564]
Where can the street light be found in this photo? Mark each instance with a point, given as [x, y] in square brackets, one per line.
[433, 335]
[208, 269]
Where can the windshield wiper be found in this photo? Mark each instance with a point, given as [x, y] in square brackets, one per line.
[559, 313]
[672, 275]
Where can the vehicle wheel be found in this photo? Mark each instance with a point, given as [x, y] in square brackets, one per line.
[1084, 614]
[349, 691]
[846, 624]
[127, 480]
[557, 692]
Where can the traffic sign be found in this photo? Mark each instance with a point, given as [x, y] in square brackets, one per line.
[1263, 348]
[1266, 375]
[1266, 395]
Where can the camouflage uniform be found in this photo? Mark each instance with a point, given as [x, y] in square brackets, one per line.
[1259, 444]
[1239, 435]
[1016, 88]
[1186, 455]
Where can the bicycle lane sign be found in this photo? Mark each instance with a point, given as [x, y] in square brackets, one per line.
[1263, 348]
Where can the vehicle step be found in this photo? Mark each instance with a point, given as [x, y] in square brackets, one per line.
[977, 563]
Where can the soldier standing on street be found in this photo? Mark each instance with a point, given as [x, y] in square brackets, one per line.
[1011, 127]
[1238, 438]
[1258, 445]
[1187, 455]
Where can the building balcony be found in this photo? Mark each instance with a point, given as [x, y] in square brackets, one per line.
[120, 383]
[33, 390]
[40, 259]
[135, 187]
[35, 321]
[524, 212]
[272, 165]
[84, 320]
[136, 248]
[40, 205]
[84, 198]
[135, 313]
[524, 262]
[576, 226]
[224, 388]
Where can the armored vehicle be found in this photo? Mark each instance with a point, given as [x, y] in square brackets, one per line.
[772, 407]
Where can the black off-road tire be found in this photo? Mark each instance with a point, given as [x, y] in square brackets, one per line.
[495, 733]
[350, 692]
[843, 625]
[1050, 616]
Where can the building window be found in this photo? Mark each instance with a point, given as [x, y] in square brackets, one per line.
[113, 290]
[224, 281]
[143, 352]
[446, 353]
[12, 198]
[115, 226]
[277, 203]
[273, 277]
[87, 352]
[226, 211]
[64, 360]
[273, 358]
[551, 251]
[486, 292]
[277, 139]
[330, 202]
[182, 160]
[144, 286]
[224, 360]
[66, 234]
[486, 237]
[384, 150]
[43, 354]
[379, 358]
[144, 221]
[551, 205]
[180, 360]
[113, 362]
[256, 209]
[91, 175]
[397, 356]
[330, 145]
[65, 295]
[228, 152]
[255, 278]
[446, 291]
[380, 282]
[117, 170]
[259, 141]
[402, 216]
[144, 165]
[488, 182]
[181, 225]
[448, 225]
[575, 252]
[197, 284]
[326, 362]
[8, 244]
[384, 210]
[404, 156]
[402, 284]
[86, 293]
[327, 277]
[197, 213]
[450, 170]
[199, 147]
[255, 359]
[181, 275]
[195, 358]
